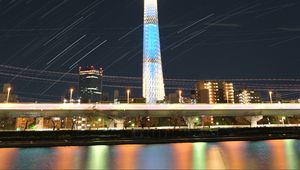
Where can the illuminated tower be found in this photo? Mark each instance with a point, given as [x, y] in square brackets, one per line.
[153, 84]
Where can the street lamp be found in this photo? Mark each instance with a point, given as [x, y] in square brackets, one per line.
[270, 95]
[128, 93]
[180, 96]
[8, 93]
[71, 94]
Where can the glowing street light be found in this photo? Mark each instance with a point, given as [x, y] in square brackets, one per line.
[270, 95]
[8, 93]
[71, 94]
[128, 93]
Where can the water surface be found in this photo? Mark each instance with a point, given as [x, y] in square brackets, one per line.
[271, 154]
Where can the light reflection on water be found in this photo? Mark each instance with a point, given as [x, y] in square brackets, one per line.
[271, 154]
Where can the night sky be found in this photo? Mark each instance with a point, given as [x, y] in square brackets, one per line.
[200, 39]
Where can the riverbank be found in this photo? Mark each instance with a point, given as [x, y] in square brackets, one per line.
[142, 136]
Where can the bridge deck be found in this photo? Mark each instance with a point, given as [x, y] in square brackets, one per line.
[158, 110]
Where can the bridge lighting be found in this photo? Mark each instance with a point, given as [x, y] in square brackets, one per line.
[56, 118]
[71, 94]
[8, 93]
[270, 95]
[128, 93]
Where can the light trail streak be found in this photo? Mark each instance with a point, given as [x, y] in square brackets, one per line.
[202, 19]
[188, 39]
[85, 47]
[65, 30]
[284, 41]
[70, 46]
[53, 9]
[54, 83]
[120, 58]
[130, 32]
[91, 6]
[73, 65]
[275, 9]
[20, 51]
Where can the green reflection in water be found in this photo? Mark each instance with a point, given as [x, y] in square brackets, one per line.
[291, 155]
[199, 158]
[97, 157]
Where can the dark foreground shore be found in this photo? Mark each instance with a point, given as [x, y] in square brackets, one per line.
[141, 136]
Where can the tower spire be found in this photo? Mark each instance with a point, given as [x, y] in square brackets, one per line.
[153, 83]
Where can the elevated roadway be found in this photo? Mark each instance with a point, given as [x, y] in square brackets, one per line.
[153, 110]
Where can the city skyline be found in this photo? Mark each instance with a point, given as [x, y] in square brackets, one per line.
[149, 84]
[210, 40]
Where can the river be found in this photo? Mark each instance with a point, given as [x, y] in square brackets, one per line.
[270, 154]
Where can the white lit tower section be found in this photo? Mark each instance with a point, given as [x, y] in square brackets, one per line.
[153, 83]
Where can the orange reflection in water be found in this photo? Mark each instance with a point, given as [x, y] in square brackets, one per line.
[7, 157]
[127, 157]
[214, 158]
[183, 155]
[66, 157]
[235, 158]
[277, 154]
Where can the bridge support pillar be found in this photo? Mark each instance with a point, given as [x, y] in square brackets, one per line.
[40, 122]
[254, 119]
[117, 123]
[190, 121]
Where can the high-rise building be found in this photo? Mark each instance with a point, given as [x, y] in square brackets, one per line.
[90, 84]
[248, 96]
[213, 92]
[153, 83]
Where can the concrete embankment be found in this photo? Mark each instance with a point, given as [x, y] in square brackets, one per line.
[141, 136]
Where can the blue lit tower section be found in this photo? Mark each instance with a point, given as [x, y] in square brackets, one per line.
[153, 84]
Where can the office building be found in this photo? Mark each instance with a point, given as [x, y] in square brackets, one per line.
[90, 84]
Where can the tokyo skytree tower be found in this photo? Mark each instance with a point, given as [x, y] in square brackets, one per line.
[153, 83]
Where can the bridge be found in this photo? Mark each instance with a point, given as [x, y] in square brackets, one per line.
[154, 110]
[253, 112]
